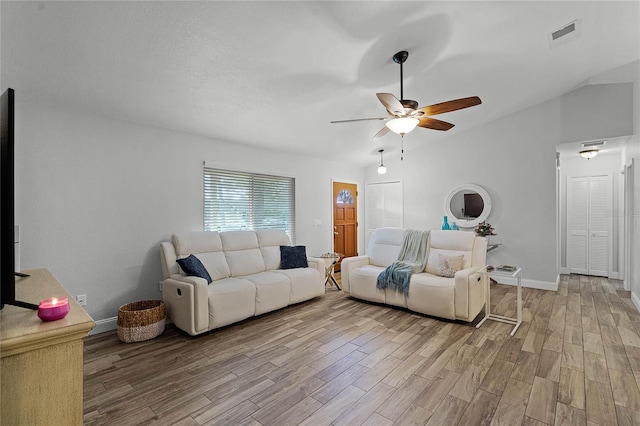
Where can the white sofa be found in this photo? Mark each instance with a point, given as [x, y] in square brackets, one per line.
[459, 298]
[246, 279]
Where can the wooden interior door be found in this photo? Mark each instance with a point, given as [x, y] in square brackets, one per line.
[345, 219]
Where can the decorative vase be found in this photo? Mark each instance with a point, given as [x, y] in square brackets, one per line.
[445, 225]
[454, 227]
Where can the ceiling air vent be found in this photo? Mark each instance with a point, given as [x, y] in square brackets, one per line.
[593, 144]
[564, 34]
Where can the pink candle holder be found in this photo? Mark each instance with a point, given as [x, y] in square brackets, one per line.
[53, 309]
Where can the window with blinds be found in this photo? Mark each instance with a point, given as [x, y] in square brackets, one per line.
[236, 200]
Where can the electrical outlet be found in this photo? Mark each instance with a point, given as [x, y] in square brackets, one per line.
[160, 286]
[82, 299]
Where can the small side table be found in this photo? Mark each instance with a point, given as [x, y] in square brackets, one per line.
[496, 272]
[330, 260]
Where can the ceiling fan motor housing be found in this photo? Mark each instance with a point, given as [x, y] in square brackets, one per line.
[409, 104]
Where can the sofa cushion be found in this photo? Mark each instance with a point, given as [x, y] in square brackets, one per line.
[449, 265]
[362, 283]
[270, 241]
[271, 257]
[239, 240]
[306, 283]
[216, 264]
[272, 291]
[452, 240]
[245, 262]
[384, 246]
[242, 252]
[196, 242]
[230, 300]
[192, 266]
[293, 257]
[432, 295]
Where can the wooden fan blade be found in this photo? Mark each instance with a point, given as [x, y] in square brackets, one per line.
[449, 106]
[391, 103]
[382, 132]
[359, 119]
[432, 123]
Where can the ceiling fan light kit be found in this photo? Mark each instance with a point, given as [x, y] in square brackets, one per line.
[402, 125]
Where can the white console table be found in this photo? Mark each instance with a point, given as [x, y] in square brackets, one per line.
[496, 272]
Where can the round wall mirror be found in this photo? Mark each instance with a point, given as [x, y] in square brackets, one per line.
[468, 205]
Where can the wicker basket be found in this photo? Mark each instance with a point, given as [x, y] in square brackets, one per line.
[139, 321]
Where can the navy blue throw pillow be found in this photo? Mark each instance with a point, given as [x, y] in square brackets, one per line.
[192, 266]
[293, 257]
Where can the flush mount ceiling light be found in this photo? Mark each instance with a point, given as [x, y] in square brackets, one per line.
[589, 153]
[381, 168]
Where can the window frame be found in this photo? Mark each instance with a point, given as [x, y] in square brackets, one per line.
[210, 169]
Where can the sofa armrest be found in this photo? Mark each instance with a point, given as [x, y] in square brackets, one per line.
[316, 263]
[347, 265]
[187, 302]
[469, 293]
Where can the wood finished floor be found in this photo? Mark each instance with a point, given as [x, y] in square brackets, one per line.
[336, 360]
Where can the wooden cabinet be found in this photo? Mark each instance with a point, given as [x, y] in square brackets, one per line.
[41, 362]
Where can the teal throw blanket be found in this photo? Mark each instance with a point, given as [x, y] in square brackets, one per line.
[412, 259]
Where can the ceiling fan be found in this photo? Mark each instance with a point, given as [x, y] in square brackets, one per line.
[404, 114]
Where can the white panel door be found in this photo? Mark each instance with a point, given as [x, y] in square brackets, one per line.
[578, 225]
[600, 207]
[589, 206]
[383, 206]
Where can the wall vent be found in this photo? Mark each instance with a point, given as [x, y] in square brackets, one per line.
[563, 31]
[593, 144]
[564, 34]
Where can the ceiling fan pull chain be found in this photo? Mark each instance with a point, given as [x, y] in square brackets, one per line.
[402, 147]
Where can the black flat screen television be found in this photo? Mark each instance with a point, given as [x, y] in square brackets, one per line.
[7, 205]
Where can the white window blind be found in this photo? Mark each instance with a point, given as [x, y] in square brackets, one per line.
[235, 200]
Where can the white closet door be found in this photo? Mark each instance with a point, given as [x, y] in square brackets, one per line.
[383, 206]
[578, 224]
[589, 206]
[599, 217]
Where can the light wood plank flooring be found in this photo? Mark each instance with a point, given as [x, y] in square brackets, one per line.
[337, 360]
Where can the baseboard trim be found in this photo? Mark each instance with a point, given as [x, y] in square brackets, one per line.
[104, 325]
[109, 324]
[541, 285]
[636, 301]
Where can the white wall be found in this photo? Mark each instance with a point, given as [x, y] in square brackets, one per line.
[513, 158]
[95, 197]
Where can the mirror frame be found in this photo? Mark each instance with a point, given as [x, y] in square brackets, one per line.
[474, 222]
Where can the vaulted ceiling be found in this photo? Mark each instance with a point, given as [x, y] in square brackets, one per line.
[274, 74]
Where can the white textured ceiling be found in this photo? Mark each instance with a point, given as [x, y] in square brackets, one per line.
[274, 74]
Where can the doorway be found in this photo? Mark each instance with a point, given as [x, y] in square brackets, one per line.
[591, 234]
[345, 220]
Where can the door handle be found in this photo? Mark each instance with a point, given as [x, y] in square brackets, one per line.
[336, 233]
